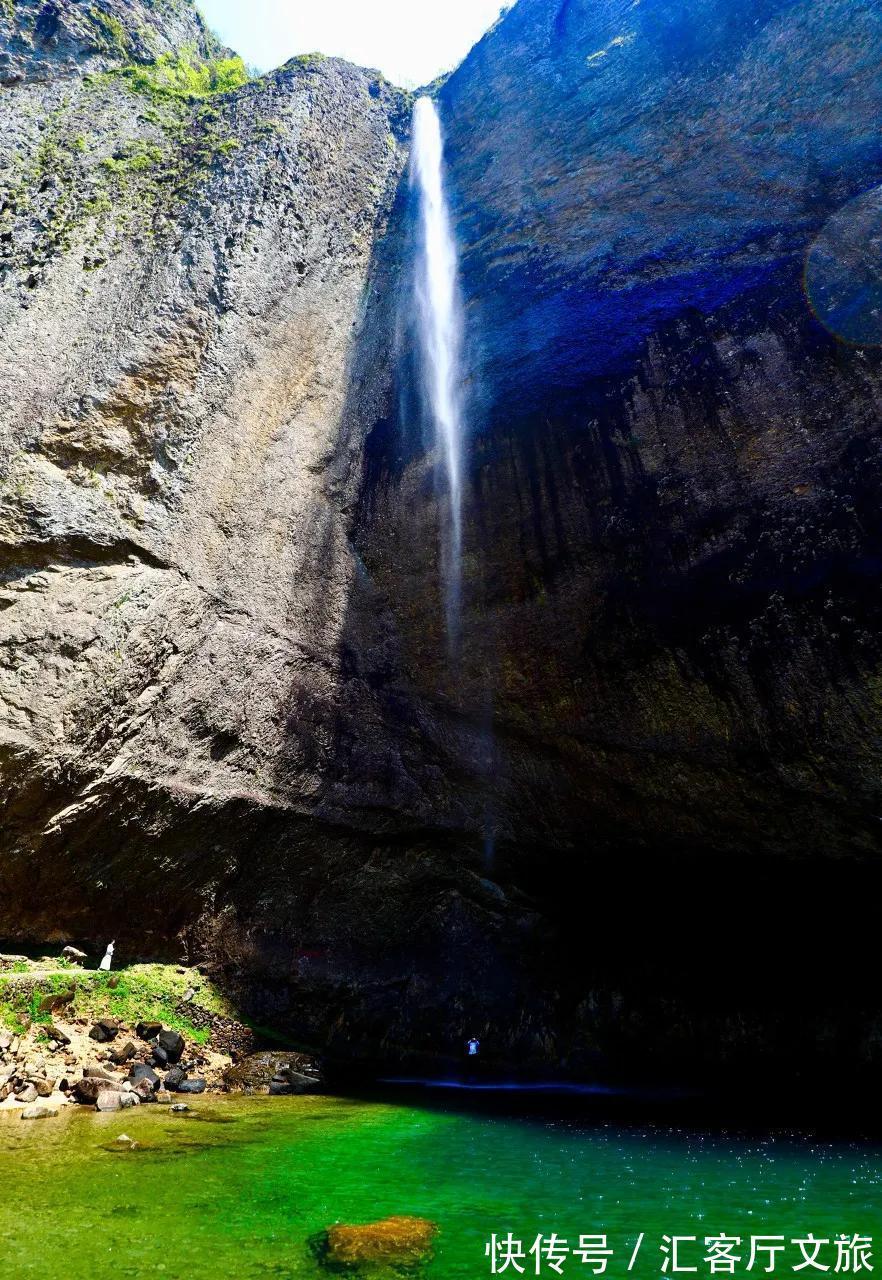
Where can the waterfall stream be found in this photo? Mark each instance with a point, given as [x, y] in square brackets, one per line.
[439, 325]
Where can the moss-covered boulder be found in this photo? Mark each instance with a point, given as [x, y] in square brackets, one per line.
[396, 1241]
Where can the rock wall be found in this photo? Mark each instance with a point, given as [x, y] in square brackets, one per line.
[43, 40]
[182, 286]
[672, 522]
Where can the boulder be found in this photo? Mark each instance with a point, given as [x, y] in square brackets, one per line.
[172, 1043]
[56, 1001]
[95, 1072]
[88, 1089]
[104, 1030]
[180, 1107]
[160, 1057]
[27, 1094]
[192, 1086]
[396, 1241]
[141, 1071]
[257, 1070]
[299, 1082]
[174, 1079]
[55, 1033]
[74, 955]
[148, 1030]
[143, 1089]
[109, 1100]
[123, 1054]
[45, 1088]
[39, 1111]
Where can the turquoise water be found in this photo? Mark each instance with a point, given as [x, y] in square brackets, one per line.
[237, 1187]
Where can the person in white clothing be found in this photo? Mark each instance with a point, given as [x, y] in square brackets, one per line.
[108, 957]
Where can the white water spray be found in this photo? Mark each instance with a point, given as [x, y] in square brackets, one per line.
[440, 335]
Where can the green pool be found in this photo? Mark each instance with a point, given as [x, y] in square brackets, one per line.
[237, 1187]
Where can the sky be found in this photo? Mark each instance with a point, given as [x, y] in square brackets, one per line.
[410, 41]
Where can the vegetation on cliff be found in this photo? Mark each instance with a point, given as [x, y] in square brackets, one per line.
[184, 76]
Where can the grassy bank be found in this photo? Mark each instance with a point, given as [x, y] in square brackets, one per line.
[141, 993]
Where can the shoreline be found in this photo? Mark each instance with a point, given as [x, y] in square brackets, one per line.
[112, 1041]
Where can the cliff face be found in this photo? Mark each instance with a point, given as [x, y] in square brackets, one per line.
[182, 281]
[42, 40]
[225, 704]
[672, 524]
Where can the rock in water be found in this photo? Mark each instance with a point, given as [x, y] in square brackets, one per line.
[89, 1089]
[393, 1241]
[39, 1111]
[109, 1100]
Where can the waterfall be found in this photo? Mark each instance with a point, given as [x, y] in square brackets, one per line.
[439, 324]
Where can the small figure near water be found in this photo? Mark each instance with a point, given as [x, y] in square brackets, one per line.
[473, 1049]
[108, 957]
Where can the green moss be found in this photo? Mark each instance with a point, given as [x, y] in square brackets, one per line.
[55, 169]
[183, 77]
[7, 9]
[142, 993]
[266, 128]
[134, 158]
[110, 34]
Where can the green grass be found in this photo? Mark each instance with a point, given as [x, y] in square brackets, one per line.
[143, 993]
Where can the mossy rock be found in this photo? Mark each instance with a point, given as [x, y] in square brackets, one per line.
[398, 1243]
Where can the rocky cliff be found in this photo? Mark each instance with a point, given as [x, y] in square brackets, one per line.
[227, 708]
[183, 277]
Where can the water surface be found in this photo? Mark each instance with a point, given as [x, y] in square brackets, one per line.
[237, 1187]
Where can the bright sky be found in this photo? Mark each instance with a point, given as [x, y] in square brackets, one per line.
[410, 41]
